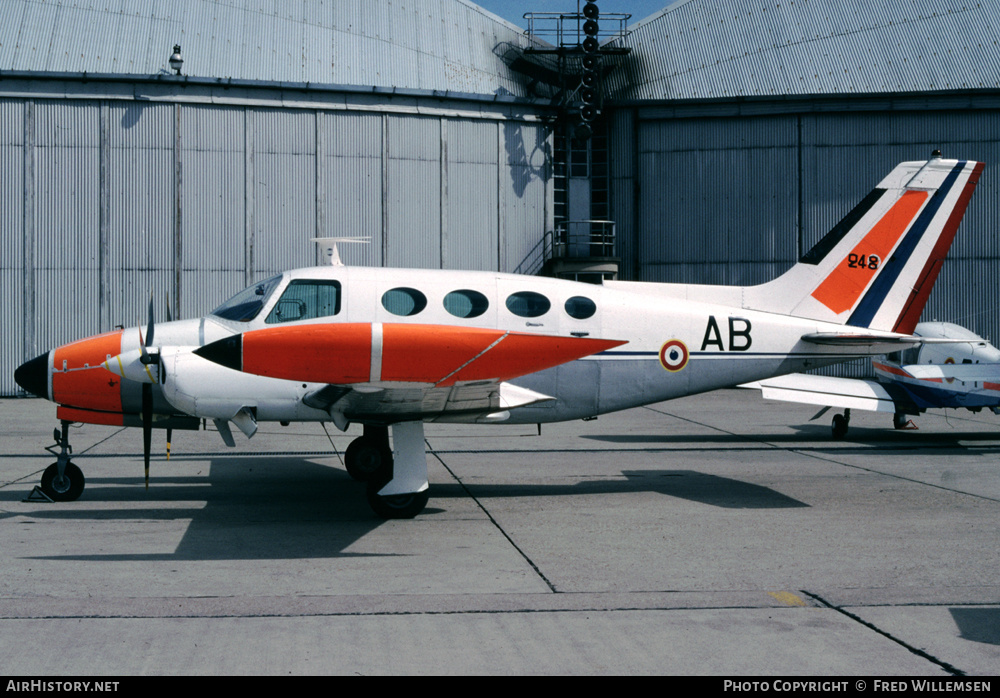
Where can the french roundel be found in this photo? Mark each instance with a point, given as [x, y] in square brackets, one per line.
[674, 355]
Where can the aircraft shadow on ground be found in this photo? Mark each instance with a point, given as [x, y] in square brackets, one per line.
[254, 508]
[810, 438]
[290, 508]
[683, 484]
[978, 624]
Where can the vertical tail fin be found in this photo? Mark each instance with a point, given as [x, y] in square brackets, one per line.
[877, 266]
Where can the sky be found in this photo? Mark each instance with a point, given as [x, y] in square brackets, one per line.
[513, 10]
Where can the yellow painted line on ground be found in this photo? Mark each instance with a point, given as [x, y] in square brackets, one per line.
[787, 598]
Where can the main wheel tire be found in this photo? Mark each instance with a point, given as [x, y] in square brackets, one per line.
[899, 420]
[68, 488]
[839, 426]
[365, 460]
[396, 506]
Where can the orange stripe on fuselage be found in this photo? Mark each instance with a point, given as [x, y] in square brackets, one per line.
[430, 353]
[335, 353]
[445, 355]
[519, 354]
[82, 381]
[841, 290]
[341, 353]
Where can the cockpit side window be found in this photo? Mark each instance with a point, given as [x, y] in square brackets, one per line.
[245, 305]
[305, 299]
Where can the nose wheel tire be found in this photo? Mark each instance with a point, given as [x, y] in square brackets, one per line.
[67, 488]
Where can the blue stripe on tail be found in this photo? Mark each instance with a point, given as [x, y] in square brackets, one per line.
[893, 267]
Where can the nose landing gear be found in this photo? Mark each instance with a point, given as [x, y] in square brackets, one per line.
[62, 481]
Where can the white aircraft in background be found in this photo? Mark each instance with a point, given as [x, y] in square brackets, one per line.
[394, 348]
[962, 370]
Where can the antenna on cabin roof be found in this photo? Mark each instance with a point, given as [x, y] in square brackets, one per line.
[328, 249]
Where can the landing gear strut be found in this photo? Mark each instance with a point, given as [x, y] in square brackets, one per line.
[397, 478]
[62, 481]
[840, 424]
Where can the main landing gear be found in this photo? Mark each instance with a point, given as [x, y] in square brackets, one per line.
[62, 481]
[840, 424]
[899, 421]
[842, 421]
[396, 477]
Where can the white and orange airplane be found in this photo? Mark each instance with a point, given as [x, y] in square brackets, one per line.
[395, 348]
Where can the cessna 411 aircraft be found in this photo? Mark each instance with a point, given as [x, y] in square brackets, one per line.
[963, 370]
[394, 348]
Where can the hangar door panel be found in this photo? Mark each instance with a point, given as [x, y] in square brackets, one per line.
[412, 196]
[718, 199]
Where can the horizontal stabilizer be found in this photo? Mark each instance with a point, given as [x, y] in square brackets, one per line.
[860, 340]
[848, 393]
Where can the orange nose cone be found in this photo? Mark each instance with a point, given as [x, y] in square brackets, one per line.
[80, 380]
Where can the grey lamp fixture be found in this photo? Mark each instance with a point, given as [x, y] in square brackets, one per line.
[175, 59]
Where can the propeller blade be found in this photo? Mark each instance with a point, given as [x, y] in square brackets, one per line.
[142, 348]
[151, 327]
[169, 435]
[147, 425]
[169, 316]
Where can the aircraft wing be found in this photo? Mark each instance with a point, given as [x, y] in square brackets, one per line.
[851, 393]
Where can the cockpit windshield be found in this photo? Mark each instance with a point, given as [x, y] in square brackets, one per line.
[245, 305]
